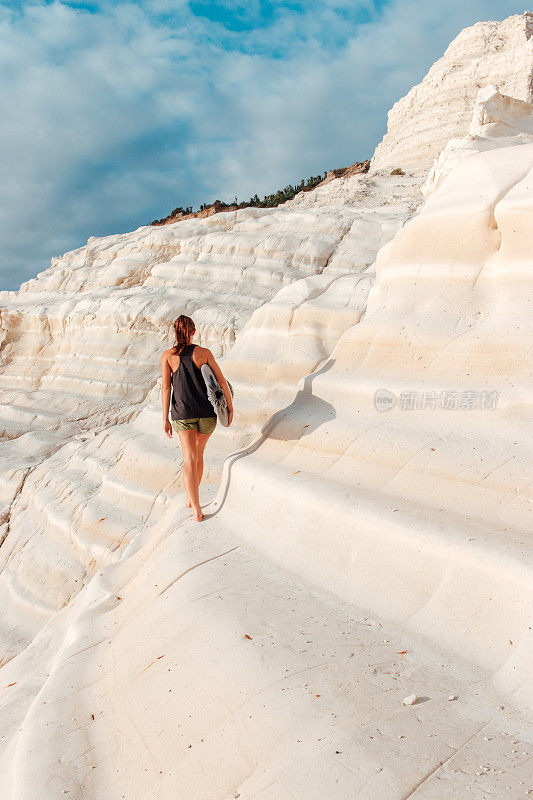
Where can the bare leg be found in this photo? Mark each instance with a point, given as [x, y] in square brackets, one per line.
[190, 470]
[201, 441]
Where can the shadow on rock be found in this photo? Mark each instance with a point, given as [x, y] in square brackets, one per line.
[305, 414]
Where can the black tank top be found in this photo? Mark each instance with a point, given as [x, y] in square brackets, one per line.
[189, 393]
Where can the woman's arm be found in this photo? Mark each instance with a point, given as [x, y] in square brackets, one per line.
[165, 393]
[222, 383]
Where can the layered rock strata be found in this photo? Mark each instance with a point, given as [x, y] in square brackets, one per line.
[86, 466]
[440, 107]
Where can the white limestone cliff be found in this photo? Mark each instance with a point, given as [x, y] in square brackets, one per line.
[440, 107]
[353, 554]
[497, 121]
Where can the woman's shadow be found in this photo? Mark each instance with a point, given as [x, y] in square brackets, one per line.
[304, 415]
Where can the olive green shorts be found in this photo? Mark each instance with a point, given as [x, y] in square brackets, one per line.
[201, 424]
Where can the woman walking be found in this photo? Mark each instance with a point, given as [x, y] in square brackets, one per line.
[192, 415]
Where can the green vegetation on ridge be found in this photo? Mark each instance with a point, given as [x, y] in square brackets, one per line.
[268, 201]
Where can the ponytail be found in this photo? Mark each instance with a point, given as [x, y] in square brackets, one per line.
[184, 329]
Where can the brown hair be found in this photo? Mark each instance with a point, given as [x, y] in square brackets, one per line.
[184, 329]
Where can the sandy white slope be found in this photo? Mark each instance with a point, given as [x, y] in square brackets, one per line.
[193, 668]
[367, 555]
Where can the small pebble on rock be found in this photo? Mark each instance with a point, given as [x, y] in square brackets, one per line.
[410, 700]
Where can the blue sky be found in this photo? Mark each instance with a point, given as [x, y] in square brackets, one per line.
[113, 113]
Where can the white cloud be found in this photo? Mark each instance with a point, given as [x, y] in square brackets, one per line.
[114, 117]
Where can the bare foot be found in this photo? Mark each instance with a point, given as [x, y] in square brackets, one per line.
[197, 514]
[188, 503]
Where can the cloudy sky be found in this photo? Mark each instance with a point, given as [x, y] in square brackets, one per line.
[113, 113]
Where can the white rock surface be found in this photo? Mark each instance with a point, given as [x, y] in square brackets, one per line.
[446, 325]
[440, 107]
[497, 121]
[148, 656]
[86, 468]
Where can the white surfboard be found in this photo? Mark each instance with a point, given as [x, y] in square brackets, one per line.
[216, 395]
